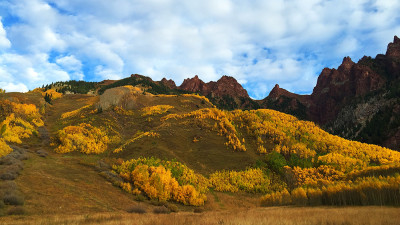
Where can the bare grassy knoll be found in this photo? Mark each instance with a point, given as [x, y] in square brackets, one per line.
[258, 216]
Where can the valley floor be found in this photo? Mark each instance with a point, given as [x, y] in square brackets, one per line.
[271, 215]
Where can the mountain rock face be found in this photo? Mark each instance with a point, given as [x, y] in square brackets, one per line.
[226, 86]
[226, 93]
[337, 87]
[393, 49]
[357, 100]
[168, 83]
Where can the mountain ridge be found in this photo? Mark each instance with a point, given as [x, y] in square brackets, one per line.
[336, 91]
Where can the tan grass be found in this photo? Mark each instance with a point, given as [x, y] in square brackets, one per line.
[255, 216]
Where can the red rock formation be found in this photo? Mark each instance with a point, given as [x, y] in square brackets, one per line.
[393, 49]
[194, 85]
[337, 87]
[224, 86]
[169, 83]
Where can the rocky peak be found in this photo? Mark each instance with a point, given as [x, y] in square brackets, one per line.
[227, 85]
[346, 65]
[193, 84]
[169, 83]
[276, 92]
[393, 49]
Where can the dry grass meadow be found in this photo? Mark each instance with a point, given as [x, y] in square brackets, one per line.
[254, 216]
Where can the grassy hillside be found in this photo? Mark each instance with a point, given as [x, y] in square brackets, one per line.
[105, 153]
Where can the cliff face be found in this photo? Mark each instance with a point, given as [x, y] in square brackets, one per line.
[356, 100]
[336, 88]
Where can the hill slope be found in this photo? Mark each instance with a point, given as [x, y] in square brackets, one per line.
[180, 149]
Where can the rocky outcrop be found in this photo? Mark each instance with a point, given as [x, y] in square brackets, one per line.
[125, 97]
[168, 83]
[194, 85]
[226, 93]
[393, 49]
[225, 86]
[336, 88]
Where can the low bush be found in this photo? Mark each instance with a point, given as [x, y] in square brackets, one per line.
[42, 153]
[7, 175]
[198, 210]
[140, 198]
[136, 209]
[18, 210]
[8, 185]
[173, 208]
[112, 177]
[161, 210]
[13, 198]
[8, 160]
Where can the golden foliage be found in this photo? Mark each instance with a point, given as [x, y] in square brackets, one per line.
[120, 110]
[291, 136]
[203, 98]
[341, 162]
[321, 175]
[159, 180]
[278, 198]
[4, 148]
[137, 136]
[83, 138]
[74, 112]
[250, 180]
[52, 93]
[363, 191]
[157, 109]
[18, 121]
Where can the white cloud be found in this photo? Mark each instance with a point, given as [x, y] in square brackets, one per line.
[290, 40]
[4, 42]
[70, 63]
[10, 87]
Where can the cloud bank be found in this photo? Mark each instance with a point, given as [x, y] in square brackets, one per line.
[259, 42]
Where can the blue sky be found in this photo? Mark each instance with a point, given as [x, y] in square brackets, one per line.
[259, 42]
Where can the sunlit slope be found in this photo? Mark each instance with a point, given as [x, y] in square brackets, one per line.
[189, 128]
[178, 148]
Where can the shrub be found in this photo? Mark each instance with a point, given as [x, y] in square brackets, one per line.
[173, 207]
[102, 166]
[136, 209]
[8, 160]
[7, 175]
[112, 177]
[2, 205]
[42, 153]
[140, 198]
[8, 186]
[161, 210]
[13, 198]
[18, 210]
[198, 210]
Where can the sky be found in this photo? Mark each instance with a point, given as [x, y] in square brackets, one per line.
[259, 42]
